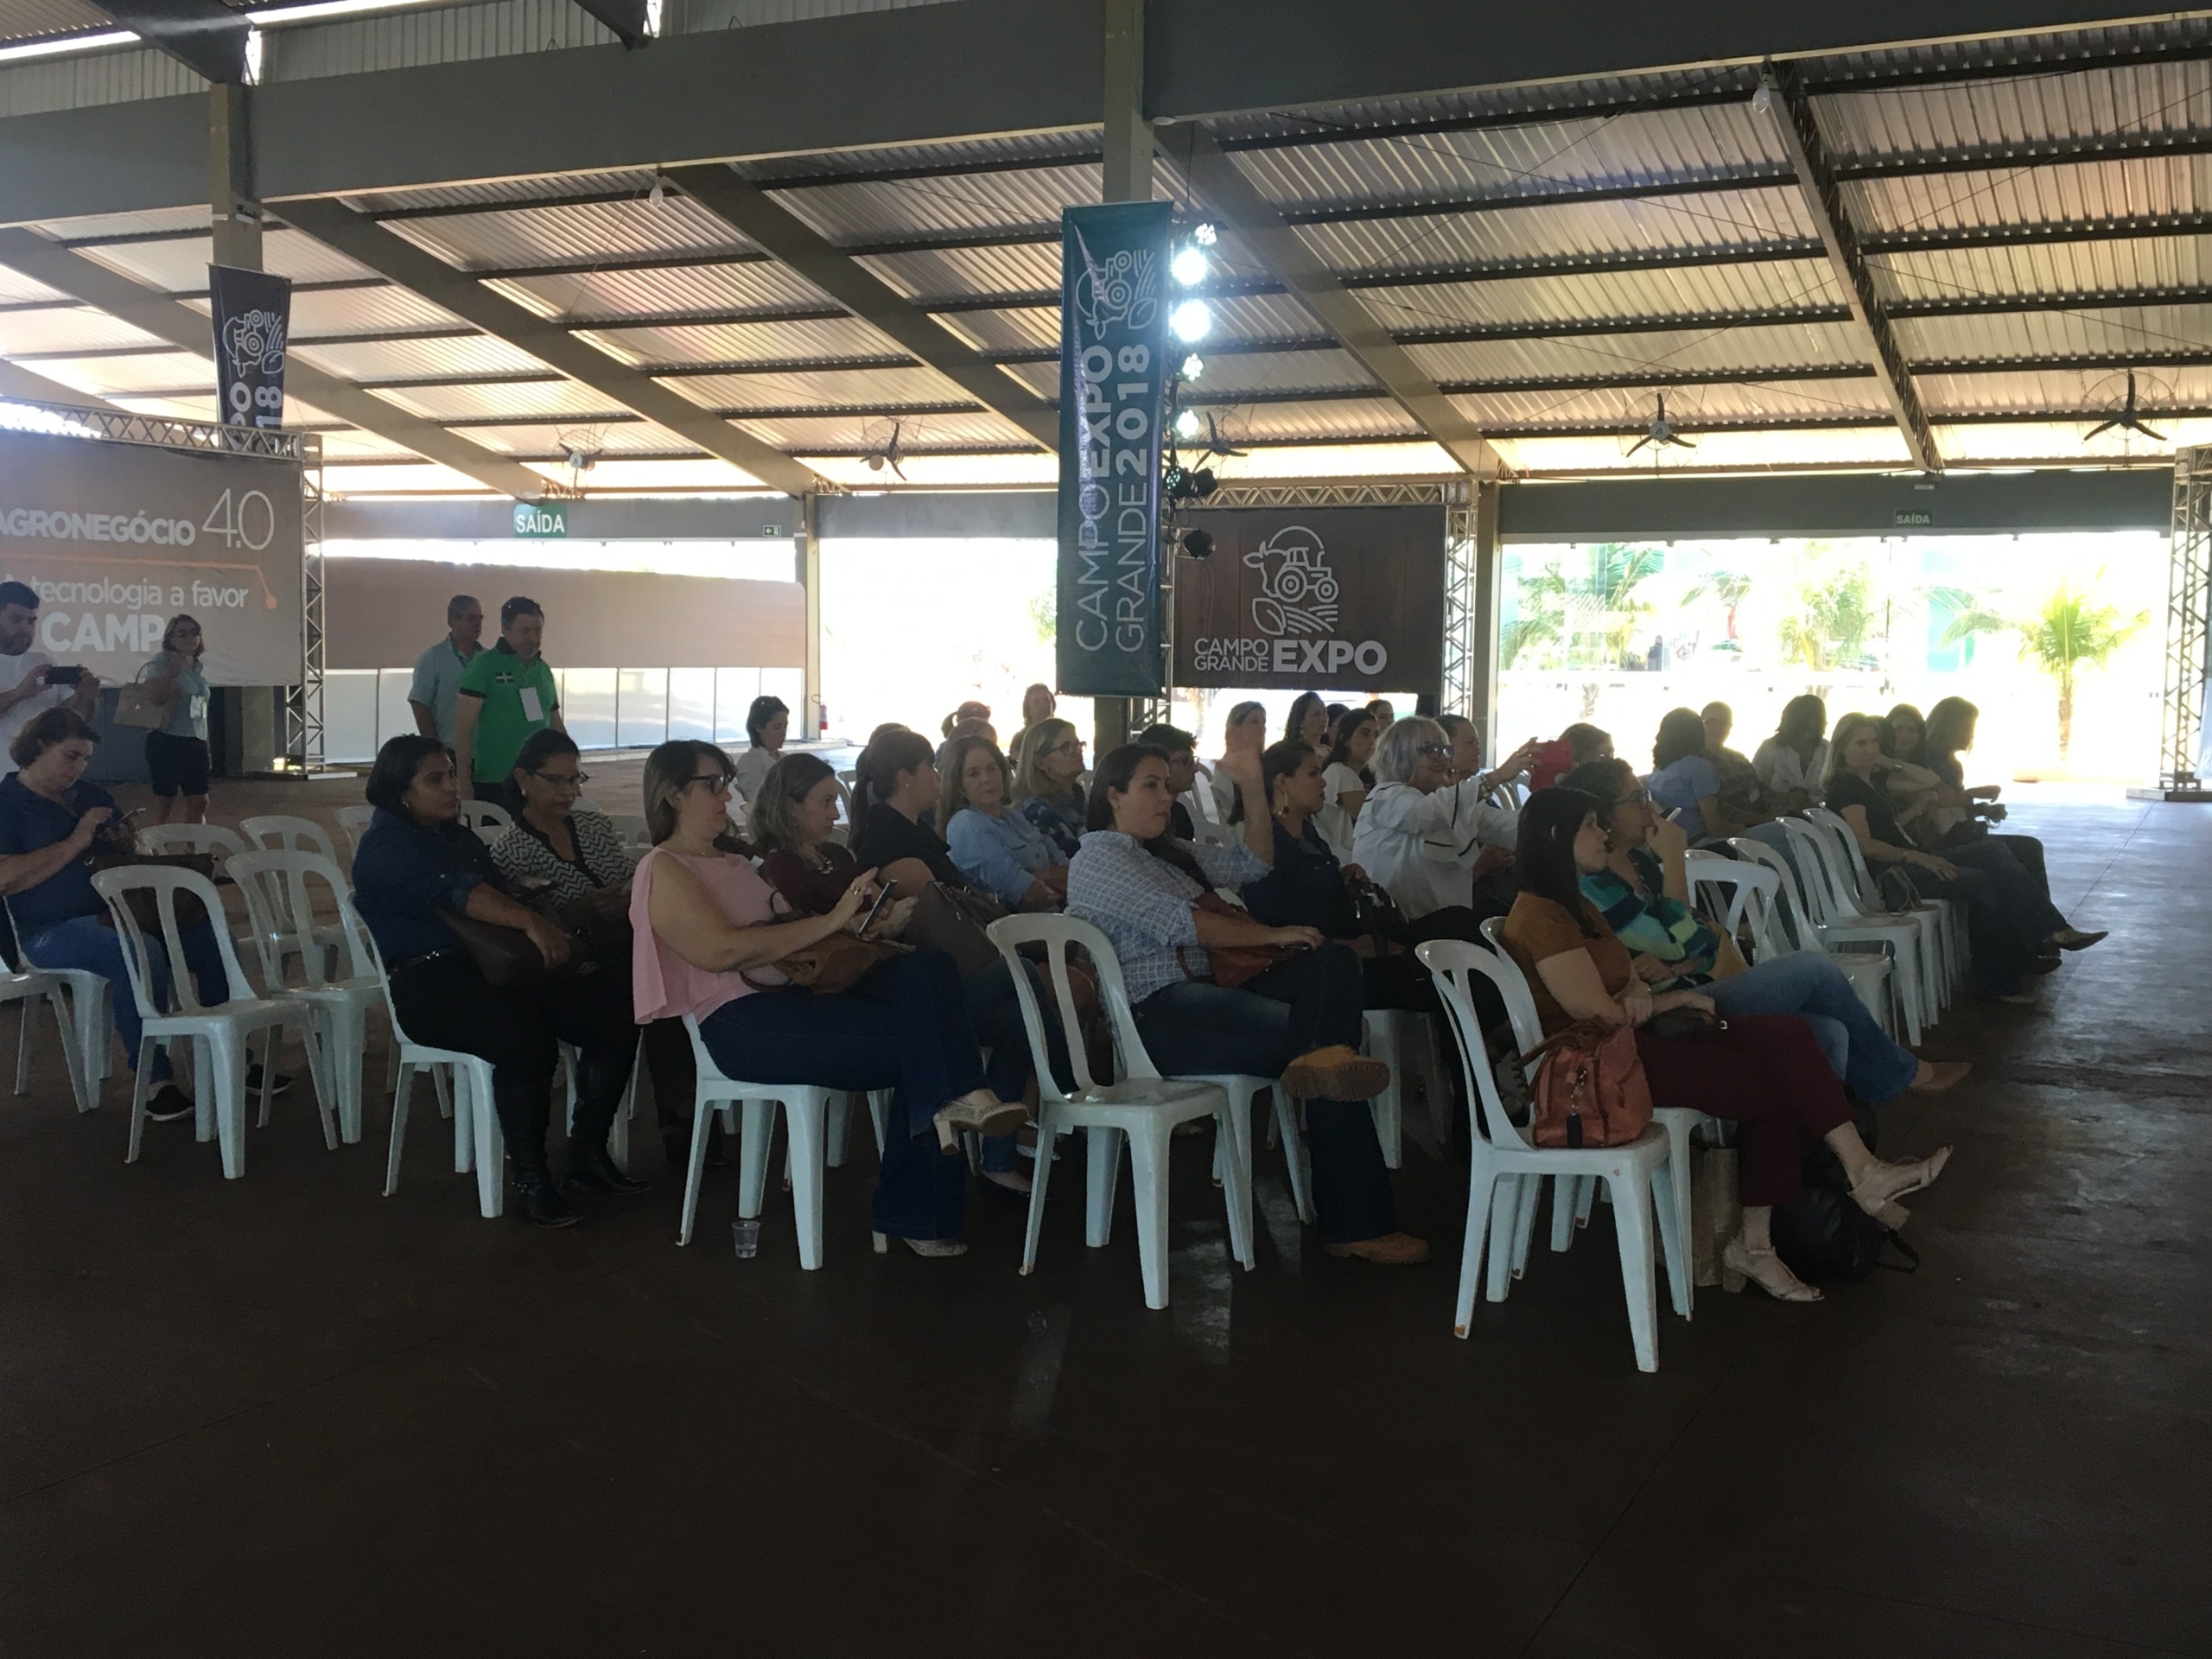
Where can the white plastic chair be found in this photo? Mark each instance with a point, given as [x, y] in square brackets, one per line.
[283, 832]
[1393, 1035]
[1943, 919]
[1572, 1204]
[25, 987]
[1899, 936]
[210, 838]
[278, 885]
[632, 829]
[489, 820]
[1852, 893]
[1753, 895]
[618, 1133]
[1505, 1167]
[1143, 1107]
[478, 1145]
[805, 1109]
[355, 821]
[89, 1018]
[222, 1031]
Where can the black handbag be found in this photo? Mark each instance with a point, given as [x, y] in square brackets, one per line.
[506, 957]
[953, 919]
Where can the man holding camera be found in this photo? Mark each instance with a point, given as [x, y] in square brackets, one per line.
[29, 681]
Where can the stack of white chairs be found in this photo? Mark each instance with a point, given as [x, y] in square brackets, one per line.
[209, 838]
[355, 821]
[1571, 1202]
[1505, 1169]
[220, 1032]
[1947, 916]
[92, 1051]
[277, 832]
[1142, 1107]
[1754, 897]
[279, 885]
[1918, 978]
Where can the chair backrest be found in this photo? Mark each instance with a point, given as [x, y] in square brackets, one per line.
[1790, 922]
[480, 816]
[211, 838]
[1200, 800]
[165, 883]
[1513, 988]
[631, 828]
[1817, 882]
[1056, 934]
[275, 830]
[1207, 833]
[1747, 891]
[355, 821]
[1451, 963]
[1869, 894]
[278, 883]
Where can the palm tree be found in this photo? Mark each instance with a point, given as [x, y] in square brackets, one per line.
[1832, 629]
[1602, 587]
[1730, 587]
[2071, 631]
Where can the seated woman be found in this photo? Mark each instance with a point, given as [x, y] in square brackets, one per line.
[1297, 1020]
[766, 723]
[1243, 739]
[1685, 783]
[707, 941]
[1049, 785]
[998, 850]
[793, 823]
[416, 865]
[51, 823]
[1765, 1072]
[1308, 722]
[1644, 894]
[2003, 916]
[1345, 778]
[1951, 729]
[1422, 838]
[897, 835]
[1793, 763]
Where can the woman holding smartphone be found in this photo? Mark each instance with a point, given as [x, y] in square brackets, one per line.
[177, 752]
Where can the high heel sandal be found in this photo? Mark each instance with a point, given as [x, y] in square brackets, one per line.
[982, 1113]
[1876, 1190]
[1766, 1270]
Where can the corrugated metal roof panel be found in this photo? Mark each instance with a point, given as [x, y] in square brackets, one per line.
[25, 20]
[1688, 408]
[615, 438]
[742, 342]
[1026, 329]
[360, 310]
[2087, 103]
[1688, 290]
[1585, 152]
[180, 265]
[1735, 219]
[110, 377]
[518, 398]
[1021, 269]
[1366, 417]
[2074, 390]
[2028, 441]
[76, 329]
[1882, 447]
[519, 191]
[821, 388]
[160, 220]
[401, 360]
[1227, 373]
[917, 434]
[2053, 268]
[16, 288]
[590, 296]
[573, 233]
[2069, 192]
[1685, 352]
[120, 74]
[2031, 335]
[433, 34]
[1013, 150]
[979, 201]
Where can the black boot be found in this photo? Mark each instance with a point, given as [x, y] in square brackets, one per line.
[537, 1197]
[675, 1143]
[599, 1091]
[592, 1168]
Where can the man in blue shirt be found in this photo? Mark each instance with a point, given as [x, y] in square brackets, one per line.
[437, 670]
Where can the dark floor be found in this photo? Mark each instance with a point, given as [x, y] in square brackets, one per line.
[287, 1416]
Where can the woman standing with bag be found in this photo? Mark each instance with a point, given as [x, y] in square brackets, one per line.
[176, 750]
[1763, 1071]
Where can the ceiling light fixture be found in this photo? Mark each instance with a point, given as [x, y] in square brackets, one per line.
[1192, 322]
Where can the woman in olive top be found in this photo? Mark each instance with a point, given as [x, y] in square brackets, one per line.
[506, 693]
[176, 754]
[1764, 1071]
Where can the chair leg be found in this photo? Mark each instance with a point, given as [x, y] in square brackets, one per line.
[1048, 1135]
[491, 1143]
[701, 1116]
[1566, 1203]
[1674, 1237]
[803, 1124]
[139, 1087]
[1294, 1154]
[71, 1058]
[837, 1131]
[1239, 1150]
[1235, 1188]
[1149, 1187]
[1482, 1184]
[399, 1099]
[758, 1118]
[345, 1053]
[223, 1063]
[463, 1114]
[25, 1009]
[322, 1076]
[1524, 1222]
[1632, 1226]
[1101, 1157]
[1512, 1210]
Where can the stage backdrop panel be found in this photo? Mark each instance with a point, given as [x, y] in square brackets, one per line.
[1321, 598]
[385, 612]
[116, 538]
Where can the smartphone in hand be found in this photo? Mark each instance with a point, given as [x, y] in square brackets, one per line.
[57, 675]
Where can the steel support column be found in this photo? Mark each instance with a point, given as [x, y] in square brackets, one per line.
[809, 552]
[2181, 760]
[235, 214]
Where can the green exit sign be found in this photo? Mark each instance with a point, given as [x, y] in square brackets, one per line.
[540, 520]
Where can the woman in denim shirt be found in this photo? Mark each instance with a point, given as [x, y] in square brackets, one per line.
[999, 851]
[1049, 785]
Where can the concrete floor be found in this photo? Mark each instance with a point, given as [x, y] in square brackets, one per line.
[286, 1416]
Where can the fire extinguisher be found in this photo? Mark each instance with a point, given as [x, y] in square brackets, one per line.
[822, 715]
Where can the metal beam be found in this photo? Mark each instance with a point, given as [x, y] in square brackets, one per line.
[205, 36]
[189, 330]
[1216, 180]
[1783, 94]
[627, 19]
[16, 381]
[867, 295]
[546, 338]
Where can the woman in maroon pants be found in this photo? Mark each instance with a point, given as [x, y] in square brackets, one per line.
[1764, 1071]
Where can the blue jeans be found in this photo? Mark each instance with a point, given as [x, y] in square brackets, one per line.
[904, 1027]
[1808, 984]
[1308, 1001]
[87, 942]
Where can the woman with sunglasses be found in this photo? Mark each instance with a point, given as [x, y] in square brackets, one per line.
[1644, 894]
[1422, 838]
[416, 867]
[709, 933]
[176, 751]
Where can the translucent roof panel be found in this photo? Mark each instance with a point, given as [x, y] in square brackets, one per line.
[574, 233]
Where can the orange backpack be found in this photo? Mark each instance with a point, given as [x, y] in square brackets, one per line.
[1590, 1089]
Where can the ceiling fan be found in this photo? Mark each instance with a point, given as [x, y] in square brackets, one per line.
[1660, 434]
[890, 454]
[2126, 418]
[1218, 445]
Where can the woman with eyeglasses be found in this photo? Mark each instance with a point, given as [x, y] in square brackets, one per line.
[1644, 894]
[1049, 784]
[176, 752]
[1422, 838]
[416, 866]
[709, 937]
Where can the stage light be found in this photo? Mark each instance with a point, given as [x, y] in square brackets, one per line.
[1204, 235]
[1201, 484]
[1188, 267]
[1198, 543]
[1192, 320]
[1193, 366]
[1187, 424]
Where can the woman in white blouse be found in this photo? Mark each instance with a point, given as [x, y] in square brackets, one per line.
[1793, 763]
[765, 723]
[1419, 835]
[1345, 779]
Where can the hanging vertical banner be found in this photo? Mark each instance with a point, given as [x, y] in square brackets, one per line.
[253, 316]
[1113, 387]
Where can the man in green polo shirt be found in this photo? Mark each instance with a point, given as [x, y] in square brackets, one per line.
[506, 693]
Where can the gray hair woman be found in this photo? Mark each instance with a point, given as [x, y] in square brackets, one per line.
[1421, 836]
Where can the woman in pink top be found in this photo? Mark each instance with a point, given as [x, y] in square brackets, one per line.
[706, 929]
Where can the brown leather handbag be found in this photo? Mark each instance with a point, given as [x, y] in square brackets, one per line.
[1590, 1089]
[953, 920]
[1230, 965]
[828, 966]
